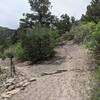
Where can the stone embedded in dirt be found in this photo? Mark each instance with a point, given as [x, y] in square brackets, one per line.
[20, 84]
[25, 81]
[60, 71]
[43, 74]
[22, 88]
[8, 85]
[12, 92]
[10, 80]
[21, 78]
[32, 79]
[5, 95]
[26, 84]
[56, 72]
[11, 87]
[69, 57]
[26, 63]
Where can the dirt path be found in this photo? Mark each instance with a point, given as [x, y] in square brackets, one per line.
[67, 79]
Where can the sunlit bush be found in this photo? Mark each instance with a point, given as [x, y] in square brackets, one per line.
[84, 32]
[38, 43]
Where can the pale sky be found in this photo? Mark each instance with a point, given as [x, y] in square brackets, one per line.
[11, 10]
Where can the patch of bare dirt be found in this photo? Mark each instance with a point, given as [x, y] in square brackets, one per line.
[66, 78]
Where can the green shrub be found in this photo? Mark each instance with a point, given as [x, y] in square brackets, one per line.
[9, 53]
[2, 56]
[84, 32]
[68, 35]
[38, 43]
[19, 51]
[96, 37]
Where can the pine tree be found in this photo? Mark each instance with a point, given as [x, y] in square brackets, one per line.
[64, 24]
[40, 14]
[73, 19]
[93, 12]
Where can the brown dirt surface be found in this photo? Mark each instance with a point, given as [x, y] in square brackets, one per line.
[66, 78]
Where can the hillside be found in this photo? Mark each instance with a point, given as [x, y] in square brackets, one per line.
[6, 34]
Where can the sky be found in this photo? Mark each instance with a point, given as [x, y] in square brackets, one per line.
[11, 10]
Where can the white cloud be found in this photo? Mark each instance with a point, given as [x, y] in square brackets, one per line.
[12, 10]
[71, 7]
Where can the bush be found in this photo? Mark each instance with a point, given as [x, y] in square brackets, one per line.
[38, 43]
[9, 53]
[19, 51]
[2, 56]
[96, 39]
[68, 36]
[84, 32]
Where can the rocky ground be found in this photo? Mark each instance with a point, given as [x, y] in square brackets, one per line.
[66, 77]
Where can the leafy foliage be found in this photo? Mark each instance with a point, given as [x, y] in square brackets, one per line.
[9, 53]
[6, 35]
[19, 51]
[38, 43]
[7, 38]
[84, 32]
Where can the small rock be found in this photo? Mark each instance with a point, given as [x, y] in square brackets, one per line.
[60, 71]
[25, 81]
[19, 84]
[32, 79]
[8, 84]
[5, 95]
[22, 88]
[13, 91]
[26, 84]
[11, 87]
[69, 57]
[43, 74]
[21, 78]
[10, 80]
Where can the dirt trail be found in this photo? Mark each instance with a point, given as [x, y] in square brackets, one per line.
[70, 78]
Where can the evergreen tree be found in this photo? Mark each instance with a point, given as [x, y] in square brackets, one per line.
[64, 24]
[40, 14]
[73, 19]
[93, 12]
